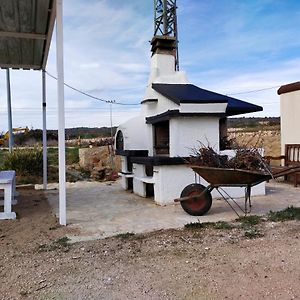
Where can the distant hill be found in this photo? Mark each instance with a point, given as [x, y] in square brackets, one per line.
[253, 122]
[35, 135]
[87, 133]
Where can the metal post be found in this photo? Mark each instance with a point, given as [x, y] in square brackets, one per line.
[44, 131]
[9, 113]
[61, 113]
[165, 17]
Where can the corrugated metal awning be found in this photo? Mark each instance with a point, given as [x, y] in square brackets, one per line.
[26, 28]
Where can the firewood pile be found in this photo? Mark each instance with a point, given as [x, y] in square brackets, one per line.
[245, 159]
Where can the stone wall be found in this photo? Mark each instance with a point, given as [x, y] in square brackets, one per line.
[99, 162]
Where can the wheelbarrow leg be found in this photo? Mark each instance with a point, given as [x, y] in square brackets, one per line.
[248, 204]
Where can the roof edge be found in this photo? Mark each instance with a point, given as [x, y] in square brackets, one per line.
[287, 88]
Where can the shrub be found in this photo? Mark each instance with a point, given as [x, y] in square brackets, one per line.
[25, 161]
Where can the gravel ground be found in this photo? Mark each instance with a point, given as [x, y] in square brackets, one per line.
[38, 263]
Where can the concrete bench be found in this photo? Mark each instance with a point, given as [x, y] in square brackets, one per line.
[8, 184]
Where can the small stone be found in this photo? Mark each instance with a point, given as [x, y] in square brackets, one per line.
[23, 293]
[107, 280]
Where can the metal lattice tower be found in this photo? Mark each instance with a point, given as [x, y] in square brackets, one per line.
[165, 22]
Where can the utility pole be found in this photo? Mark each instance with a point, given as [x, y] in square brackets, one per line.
[165, 22]
[111, 134]
[110, 115]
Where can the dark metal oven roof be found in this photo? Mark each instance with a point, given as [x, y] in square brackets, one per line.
[189, 93]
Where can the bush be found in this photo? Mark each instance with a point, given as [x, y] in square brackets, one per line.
[25, 161]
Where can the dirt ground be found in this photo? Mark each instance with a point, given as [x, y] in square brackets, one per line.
[269, 140]
[38, 263]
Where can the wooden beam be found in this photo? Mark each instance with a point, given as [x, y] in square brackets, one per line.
[20, 66]
[49, 34]
[23, 35]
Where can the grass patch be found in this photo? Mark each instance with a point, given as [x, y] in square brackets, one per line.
[253, 233]
[3, 153]
[290, 213]
[223, 225]
[61, 243]
[125, 235]
[249, 224]
[249, 221]
[204, 225]
[72, 156]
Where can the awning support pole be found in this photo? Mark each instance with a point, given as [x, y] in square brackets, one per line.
[45, 166]
[9, 113]
[61, 113]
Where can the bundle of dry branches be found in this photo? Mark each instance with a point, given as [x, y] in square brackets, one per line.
[245, 159]
[206, 156]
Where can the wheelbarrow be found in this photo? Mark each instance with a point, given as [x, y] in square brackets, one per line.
[196, 199]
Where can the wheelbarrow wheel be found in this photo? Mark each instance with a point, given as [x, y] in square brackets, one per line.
[198, 206]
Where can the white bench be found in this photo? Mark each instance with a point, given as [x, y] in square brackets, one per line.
[8, 184]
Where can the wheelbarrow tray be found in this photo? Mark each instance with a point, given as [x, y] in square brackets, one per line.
[232, 177]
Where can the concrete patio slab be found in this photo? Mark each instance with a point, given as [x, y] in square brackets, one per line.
[101, 210]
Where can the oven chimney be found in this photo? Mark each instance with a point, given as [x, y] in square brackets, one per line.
[165, 40]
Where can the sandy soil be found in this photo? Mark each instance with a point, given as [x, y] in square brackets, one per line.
[267, 139]
[37, 263]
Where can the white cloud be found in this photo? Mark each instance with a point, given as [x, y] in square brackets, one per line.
[107, 54]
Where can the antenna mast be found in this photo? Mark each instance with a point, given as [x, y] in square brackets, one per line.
[165, 22]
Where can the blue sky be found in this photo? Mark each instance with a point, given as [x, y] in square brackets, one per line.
[227, 46]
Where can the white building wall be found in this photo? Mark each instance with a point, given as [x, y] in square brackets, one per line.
[171, 180]
[186, 133]
[162, 70]
[154, 108]
[203, 108]
[124, 183]
[290, 119]
[138, 185]
[136, 134]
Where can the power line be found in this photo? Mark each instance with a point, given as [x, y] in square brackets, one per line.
[91, 96]
[134, 104]
[254, 91]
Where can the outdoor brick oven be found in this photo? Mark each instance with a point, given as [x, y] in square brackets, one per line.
[175, 118]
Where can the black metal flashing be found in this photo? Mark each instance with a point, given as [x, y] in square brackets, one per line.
[140, 153]
[160, 160]
[163, 45]
[149, 101]
[126, 173]
[176, 113]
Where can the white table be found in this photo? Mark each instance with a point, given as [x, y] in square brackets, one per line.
[8, 184]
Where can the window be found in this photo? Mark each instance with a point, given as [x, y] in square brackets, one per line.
[119, 141]
[224, 141]
[161, 138]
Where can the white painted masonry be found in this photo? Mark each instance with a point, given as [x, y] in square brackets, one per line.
[185, 133]
[290, 118]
